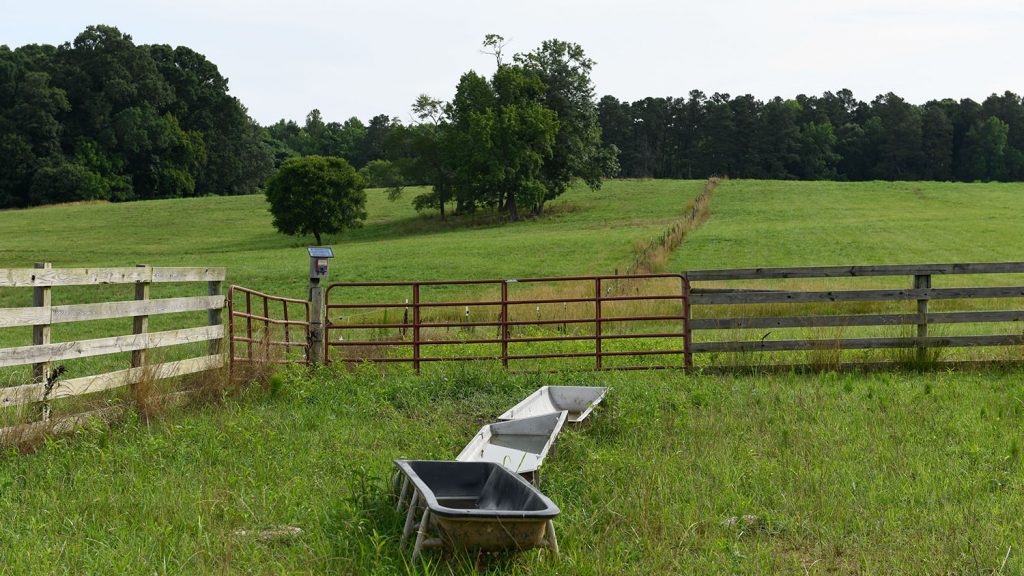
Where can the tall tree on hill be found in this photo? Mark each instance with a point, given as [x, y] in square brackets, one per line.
[501, 135]
[564, 71]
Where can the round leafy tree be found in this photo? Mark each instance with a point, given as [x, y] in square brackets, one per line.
[316, 195]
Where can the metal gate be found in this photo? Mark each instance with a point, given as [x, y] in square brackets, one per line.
[600, 317]
[261, 333]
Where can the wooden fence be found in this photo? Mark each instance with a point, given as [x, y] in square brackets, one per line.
[733, 301]
[42, 353]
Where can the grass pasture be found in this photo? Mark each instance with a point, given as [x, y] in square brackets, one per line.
[845, 474]
[897, 472]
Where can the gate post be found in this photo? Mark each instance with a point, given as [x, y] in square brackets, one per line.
[315, 343]
[922, 282]
[319, 256]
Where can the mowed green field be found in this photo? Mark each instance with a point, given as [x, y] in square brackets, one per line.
[772, 223]
[901, 472]
[584, 232]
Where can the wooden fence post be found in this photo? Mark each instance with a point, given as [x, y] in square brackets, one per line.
[214, 317]
[922, 282]
[140, 324]
[40, 336]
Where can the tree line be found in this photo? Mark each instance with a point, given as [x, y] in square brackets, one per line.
[832, 136]
[101, 118]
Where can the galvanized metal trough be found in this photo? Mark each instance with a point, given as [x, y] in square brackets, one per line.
[578, 401]
[519, 445]
[477, 505]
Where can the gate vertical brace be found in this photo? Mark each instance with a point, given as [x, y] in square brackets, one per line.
[504, 324]
[231, 333]
[416, 327]
[266, 330]
[248, 324]
[922, 282]
[687, 335]
[287, 336]
[597, 321]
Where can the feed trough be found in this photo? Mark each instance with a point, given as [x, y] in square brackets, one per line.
[478, 505]
[519, 445]
[578, 401]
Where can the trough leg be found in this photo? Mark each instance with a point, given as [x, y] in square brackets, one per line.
[409, 518]
[421, 535]
[552, 541]
[401, 495]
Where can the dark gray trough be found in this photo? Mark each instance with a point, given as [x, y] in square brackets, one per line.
[476, 505]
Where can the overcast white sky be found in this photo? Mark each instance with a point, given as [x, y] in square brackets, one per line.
[372, 57]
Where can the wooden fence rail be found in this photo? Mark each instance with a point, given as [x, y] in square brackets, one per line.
[41, 353]
[704, 299]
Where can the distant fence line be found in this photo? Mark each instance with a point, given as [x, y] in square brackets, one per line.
[46, 385]
[921, 291]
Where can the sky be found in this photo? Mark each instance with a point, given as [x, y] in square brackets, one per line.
[365, 58]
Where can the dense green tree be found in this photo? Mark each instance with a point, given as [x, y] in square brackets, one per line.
[985, 150]
[316, 195]
[381, 174]
[103, 118]
[779, 138]
[936, 144]
[564, 72]
[817, 156]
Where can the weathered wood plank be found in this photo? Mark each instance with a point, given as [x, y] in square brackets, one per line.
[858, 343]
[10, 317]
[99, 346]
[15, 395]
[802, 321]
[78, 312]
[856, 295]
[30, 277]
[189, 274]
[850, 271]
[105, 310]
[855, 320]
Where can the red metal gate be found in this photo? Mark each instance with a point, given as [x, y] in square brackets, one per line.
[266, 338]
[360, 331]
